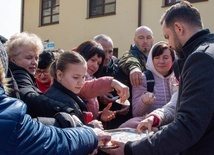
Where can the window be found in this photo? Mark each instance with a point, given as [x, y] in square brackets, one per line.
[99, 8]
[170, 2]
[115, 52]
[50, 12]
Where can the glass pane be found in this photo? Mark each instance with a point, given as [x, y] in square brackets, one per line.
[46, 4]
[110, 8]
[46, 20]
[55, 2]
[46, 12]
[55, 10]
[96, 11]
[55, 18]
[109, 1]
[96, 2]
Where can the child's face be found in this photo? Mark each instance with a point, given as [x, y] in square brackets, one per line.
[73, 77]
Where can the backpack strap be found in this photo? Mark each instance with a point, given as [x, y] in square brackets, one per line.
[149, 80]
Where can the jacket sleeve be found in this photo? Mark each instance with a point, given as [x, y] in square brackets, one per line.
[96, 87]
[36, 138]
[166, 114]
[138, 107]
[38, 104]
[128, 62]
[193, 124]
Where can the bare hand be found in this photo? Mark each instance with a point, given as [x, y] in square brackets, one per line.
[102, 136]
[97, 124]
[135, 77]
[116, 151]
[122, 90]
[148, 98]
[107, 114]
[145, 124]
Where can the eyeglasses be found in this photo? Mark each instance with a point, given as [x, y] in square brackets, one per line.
[39, 72]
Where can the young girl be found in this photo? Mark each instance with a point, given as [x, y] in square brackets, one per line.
[69, 73]
[160, 60]
[94, 55]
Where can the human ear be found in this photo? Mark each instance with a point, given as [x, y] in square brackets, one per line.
[13, 60]
[59, 75]
[178, 28]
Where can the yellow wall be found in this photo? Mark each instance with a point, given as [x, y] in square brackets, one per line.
[74, 27]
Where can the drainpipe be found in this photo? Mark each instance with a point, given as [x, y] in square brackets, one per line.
[22, 15]
[139, 12]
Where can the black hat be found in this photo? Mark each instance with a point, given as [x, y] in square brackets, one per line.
[45, 59]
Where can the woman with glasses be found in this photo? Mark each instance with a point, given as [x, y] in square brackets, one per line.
[43, 78]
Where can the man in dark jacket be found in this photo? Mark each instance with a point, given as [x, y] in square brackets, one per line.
[192, 131]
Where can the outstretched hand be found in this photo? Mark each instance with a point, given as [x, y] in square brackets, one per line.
[148, 98]
[107, 114]
[135, 77]
[145, 124]
[122, 90]
[116, 151]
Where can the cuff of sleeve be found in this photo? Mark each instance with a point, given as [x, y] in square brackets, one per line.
[156, 121]
[127, 148]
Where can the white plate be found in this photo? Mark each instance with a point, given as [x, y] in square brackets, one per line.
[126, 103]
[125, 134]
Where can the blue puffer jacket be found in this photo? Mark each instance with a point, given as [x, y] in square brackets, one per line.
[21, 135]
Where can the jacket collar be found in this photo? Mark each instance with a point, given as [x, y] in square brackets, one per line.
[190, 46]
[77, 99]
[193, 43]
[13, 67]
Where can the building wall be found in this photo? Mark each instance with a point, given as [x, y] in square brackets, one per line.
[74, 27]
[152, 12]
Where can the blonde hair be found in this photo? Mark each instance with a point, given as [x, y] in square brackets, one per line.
[19, 40]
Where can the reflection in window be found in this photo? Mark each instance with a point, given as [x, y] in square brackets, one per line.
[49, 12]
[101, 7]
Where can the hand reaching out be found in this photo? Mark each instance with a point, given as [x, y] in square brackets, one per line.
[148, 98]
[145, 124]
[135, 77]
[107, 114]
[122, 90]
[116, 151]
[97, 124]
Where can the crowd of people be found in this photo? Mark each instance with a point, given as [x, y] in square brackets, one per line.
[63, 101]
